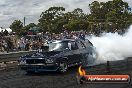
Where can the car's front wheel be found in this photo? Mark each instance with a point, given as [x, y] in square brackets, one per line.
[63, 67]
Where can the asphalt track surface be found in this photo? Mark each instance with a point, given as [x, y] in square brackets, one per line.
[16, 78]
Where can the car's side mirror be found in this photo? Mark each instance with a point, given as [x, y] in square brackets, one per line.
[67, 49]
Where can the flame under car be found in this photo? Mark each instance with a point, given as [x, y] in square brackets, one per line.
[61, 55]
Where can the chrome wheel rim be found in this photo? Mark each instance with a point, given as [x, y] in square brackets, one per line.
[63, 67]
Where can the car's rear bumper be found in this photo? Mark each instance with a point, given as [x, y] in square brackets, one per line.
[38, 68]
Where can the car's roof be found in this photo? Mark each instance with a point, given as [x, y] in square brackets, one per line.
[63, 40]
[66, 40]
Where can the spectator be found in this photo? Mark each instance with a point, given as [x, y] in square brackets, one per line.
[5, 32]
[82, 36]
[27, 46]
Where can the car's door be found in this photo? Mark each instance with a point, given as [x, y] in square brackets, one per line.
[82, 51]
[68, 54]
[75, 51]
[71, 53]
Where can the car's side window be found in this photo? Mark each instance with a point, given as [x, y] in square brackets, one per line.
[88, 43]
[74, 46]
[83, 45]
[80, 45]
[69, 45]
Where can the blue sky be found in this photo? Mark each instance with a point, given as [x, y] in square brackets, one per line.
[11, 10]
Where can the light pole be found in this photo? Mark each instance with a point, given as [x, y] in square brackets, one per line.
[24, 21]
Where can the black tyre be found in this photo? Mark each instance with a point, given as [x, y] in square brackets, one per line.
[63, 67]
[85, 60]
[89, 60]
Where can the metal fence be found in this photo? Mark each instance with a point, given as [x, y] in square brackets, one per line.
[112, 67]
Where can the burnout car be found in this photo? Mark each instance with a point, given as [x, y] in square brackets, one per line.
[61, 55]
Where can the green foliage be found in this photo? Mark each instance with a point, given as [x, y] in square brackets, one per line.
[105, 16]
[31, 25]
[16, 26]
[116, 11]
[77, 20]
[25, 29]
[48, 18]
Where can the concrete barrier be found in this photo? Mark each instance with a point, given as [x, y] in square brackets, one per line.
[13, 55]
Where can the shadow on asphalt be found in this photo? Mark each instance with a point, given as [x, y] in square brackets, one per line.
[71, 70]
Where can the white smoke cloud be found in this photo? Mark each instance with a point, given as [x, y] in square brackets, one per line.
[111, 46]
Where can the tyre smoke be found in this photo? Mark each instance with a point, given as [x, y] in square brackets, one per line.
[112, 46]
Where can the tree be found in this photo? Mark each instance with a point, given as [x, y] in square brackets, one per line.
[31, 25]
[47, 18]
[104, 16]
[116, 11]
[96, 10]
[16, 26]
[77, 20]
[25, 29]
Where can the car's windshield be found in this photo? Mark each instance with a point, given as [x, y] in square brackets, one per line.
[58, 46]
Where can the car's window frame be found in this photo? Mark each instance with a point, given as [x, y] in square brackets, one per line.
[75, 44]
[81, 45]
[57, 43]
[88, 43]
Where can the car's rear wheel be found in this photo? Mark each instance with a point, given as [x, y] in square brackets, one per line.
[85, 60]
[63, 67]
[89, 60]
